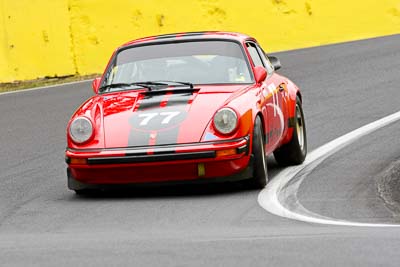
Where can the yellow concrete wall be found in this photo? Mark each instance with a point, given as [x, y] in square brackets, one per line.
[34, 39]
[47, 38]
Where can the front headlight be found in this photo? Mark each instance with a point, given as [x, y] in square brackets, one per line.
[225, 120]
[80, 130]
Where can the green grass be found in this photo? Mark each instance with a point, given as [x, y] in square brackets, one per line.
[21, 85]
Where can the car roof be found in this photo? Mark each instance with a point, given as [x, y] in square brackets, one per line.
[184, 36]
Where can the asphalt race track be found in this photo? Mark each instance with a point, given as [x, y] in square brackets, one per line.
[344, 87]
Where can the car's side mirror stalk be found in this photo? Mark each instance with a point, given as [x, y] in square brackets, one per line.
[96, 85]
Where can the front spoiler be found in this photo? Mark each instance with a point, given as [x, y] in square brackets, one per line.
[247, 173]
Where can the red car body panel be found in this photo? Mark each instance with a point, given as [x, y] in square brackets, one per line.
[126, 150]
[161, 170]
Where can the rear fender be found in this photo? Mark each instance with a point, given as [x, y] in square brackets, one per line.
[293, 92]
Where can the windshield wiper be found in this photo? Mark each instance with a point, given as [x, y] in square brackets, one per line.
[176, 83]
[148, 85]
[115, 85]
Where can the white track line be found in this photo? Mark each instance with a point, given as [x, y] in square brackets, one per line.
[43, 87]
[279, 197]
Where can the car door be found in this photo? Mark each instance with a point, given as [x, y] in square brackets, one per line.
[271, 100]
[281, 93]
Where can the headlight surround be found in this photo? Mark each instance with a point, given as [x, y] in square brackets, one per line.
[225, 121]
[81, 130]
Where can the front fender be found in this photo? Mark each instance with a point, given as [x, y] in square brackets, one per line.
[245, 105]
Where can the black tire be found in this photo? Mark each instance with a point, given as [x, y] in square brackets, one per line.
[83, 192]
[294, 152]
[260, 171]
[79, 188]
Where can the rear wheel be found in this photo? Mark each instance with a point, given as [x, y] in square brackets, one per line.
[260, 174]
[294, 152]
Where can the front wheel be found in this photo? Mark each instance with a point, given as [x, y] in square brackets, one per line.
[294, 152]
[79, 188]
[85, 192]
[260, 174]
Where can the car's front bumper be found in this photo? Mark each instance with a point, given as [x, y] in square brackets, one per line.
[224, 160]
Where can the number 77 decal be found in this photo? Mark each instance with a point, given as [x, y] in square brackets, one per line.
[149, 116]
[169, 115]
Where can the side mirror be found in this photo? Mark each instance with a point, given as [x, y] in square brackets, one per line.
[96, 85]
[260, 74]
[276, 63]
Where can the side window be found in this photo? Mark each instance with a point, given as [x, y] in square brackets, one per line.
[265, 59]
[254, 55]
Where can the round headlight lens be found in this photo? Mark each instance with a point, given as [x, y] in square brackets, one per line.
[225, 120]
[81, 129]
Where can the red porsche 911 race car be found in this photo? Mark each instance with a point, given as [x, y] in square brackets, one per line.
[199, 107]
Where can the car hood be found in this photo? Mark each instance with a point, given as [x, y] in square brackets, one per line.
[133, 118]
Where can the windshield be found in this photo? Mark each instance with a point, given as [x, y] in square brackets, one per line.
[199, 62]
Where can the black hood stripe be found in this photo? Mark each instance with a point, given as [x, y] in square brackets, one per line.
[159, 116]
